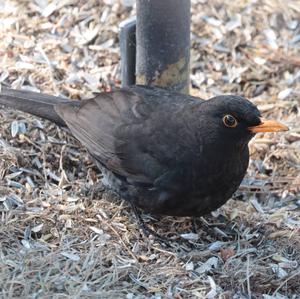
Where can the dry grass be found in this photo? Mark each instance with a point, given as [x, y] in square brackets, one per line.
[61, 240]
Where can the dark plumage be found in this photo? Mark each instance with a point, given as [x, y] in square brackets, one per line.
[164, 152]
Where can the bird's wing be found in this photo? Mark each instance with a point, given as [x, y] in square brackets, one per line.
[129, 131]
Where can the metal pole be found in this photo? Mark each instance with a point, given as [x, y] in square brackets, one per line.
[128, 51]
[163, 43]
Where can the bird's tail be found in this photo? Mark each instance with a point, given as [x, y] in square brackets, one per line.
[35, 103]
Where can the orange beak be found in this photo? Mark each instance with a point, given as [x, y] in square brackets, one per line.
[268, 126]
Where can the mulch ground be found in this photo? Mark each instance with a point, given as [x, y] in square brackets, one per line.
[61, 238]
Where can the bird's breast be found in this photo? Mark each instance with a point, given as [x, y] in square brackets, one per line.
[204, 186]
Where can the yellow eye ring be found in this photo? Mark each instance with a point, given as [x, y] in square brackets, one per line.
[229, 121]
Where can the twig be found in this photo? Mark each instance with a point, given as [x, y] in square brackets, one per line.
[284, 282]
[248, 277]
[117, 234]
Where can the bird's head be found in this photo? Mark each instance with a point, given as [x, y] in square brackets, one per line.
[237, 119]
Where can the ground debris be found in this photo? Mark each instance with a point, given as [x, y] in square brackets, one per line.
[55, 240]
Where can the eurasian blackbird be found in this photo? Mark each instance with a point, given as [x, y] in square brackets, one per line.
[164, 152]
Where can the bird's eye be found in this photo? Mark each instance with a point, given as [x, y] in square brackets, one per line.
[229, 121]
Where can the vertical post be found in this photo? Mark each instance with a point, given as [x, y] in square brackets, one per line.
[163, 43]
[128, 51]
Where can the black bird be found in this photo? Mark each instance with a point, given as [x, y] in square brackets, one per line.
[164, 152]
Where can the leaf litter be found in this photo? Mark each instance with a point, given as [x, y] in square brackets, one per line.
[61, 238]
